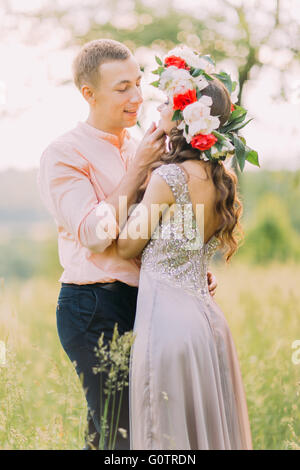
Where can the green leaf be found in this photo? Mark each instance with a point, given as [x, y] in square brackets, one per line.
[219, 136]
[228, 127]
[219, 146]
[234, 123]
[234, 85]
[158, 71]
[208, 153]
[240, 152]
[156, 83]
[252, 157]
[198, 93]
[158, 60]
[225, 79]
[177, 116]
[197, 72]
[239, 126]
[208, 58]
[238, 112]
[207, 76]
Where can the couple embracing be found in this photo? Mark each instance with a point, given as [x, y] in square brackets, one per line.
[185, 386]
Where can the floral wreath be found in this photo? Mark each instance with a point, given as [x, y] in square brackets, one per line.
[182, 75]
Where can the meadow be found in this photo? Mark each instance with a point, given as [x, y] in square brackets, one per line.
[42, 405]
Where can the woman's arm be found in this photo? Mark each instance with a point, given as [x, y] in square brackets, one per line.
[144, 218]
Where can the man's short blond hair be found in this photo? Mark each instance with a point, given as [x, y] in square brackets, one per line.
[92, 55]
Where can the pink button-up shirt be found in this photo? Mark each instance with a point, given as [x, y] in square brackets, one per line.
[77, 172]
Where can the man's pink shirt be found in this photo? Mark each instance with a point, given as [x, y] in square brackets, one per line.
[77, 172]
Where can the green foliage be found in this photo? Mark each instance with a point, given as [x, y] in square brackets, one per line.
[24, 258]
[271, 236]
[285, 184]
[239, 151]
[198, 72]
[163, 24]
[113, 360]
[42, 402]
[225, 78]
[177, 115]
[265, 225]
[159, 28]
[236, 122]
[261, 306]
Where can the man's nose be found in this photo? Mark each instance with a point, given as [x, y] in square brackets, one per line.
[137, 96]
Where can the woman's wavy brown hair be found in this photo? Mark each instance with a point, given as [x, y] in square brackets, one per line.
[228, 205]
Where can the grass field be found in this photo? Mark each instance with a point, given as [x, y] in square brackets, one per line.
[41, 402]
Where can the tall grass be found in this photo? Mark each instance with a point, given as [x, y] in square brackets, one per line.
[42, 405]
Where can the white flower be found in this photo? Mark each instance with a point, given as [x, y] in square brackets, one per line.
[197, 116]
[204, 64]
[200, 82]
[204, 125]
[201, 108]
[191, 58]
[174, 81]
[183, 52]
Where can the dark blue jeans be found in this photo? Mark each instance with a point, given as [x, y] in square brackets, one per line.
[83, 313]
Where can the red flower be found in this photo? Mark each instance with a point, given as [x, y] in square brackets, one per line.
[177, 62]
[232, 107]
[180, 101]
[203, 141]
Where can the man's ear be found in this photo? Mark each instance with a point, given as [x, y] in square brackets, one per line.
[88, 94]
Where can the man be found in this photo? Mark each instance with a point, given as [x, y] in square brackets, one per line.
[84, 173]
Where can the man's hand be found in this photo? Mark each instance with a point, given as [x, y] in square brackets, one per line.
[212, 283]
[151, 148]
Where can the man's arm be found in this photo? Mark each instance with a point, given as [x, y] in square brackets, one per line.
[150, 150]
[69, 194]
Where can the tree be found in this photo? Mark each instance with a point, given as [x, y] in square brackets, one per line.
[251, 33]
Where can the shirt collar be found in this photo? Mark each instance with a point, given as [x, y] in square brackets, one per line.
[111, 138]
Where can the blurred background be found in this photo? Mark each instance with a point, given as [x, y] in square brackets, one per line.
[41, 404]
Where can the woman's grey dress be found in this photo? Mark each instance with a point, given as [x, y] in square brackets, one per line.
[185, 384]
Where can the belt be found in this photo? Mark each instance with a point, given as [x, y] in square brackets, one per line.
[112, 286]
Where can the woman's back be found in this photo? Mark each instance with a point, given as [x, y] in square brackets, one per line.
[176, 251]
[202, 191]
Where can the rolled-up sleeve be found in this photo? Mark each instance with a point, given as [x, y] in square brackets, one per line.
[69, 195]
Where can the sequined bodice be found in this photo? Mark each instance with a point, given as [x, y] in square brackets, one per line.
[176, 252]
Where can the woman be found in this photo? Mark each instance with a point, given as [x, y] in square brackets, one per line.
[185, 385]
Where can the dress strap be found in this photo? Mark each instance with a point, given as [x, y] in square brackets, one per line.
[175, 178]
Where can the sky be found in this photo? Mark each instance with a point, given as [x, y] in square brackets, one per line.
[36, 109]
